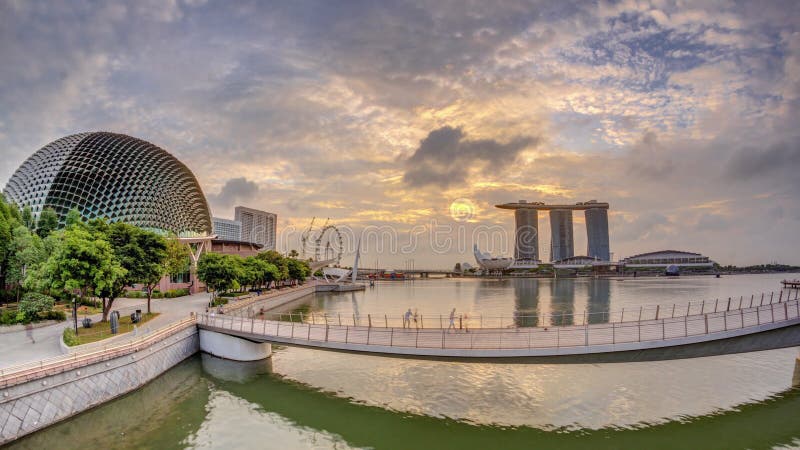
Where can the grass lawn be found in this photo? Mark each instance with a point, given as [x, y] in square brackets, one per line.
[102, 330]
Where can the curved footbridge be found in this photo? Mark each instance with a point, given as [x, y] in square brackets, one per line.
[742, 329]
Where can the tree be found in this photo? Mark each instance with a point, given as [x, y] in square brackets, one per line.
[9, 219]
[280, 263]
[26, 251]
[83, 261]
[27, 218]
[177, 259]
[125, 240]
[48, 222]
[73, 218]
[218, 272]
[298, 270]
[293, 254]
[151, 268]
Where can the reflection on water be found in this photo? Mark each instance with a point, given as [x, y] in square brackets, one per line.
[599, 301]
[190, 407]
[541, 301]
[562, 303]
[526, 302]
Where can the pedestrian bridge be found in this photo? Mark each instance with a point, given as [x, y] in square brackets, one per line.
[669, 333]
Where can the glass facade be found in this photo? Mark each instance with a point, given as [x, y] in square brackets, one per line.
[115, 177]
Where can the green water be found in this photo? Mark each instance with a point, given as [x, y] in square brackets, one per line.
[304, 398]
[210, 403]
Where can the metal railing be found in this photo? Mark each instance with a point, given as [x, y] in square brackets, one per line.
[240, 306]
[472, 321]
[82, 357]
[512, 338]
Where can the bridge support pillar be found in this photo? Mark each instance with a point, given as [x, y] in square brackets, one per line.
[233, 347]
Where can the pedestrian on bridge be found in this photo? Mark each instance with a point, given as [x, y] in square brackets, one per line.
[407, 319]
[452, 320]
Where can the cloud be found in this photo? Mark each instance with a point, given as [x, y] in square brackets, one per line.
[236, 191]
[783, 157]
[446, 157]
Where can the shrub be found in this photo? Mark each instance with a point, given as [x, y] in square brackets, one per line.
[172, 293]
[33, 304]
[219, 301]
[54, 315]
[8, 318]
[70, 338]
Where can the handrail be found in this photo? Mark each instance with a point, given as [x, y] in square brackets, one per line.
[625, 315]
[24, 372]
[585, 335]
[236, 306]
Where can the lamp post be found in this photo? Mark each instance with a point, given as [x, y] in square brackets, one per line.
[75, 313]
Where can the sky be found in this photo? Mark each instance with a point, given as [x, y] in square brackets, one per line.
[404, 123]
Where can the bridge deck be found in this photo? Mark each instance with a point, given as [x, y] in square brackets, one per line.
[516, 341]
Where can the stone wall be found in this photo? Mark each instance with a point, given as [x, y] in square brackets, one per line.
[31, 405]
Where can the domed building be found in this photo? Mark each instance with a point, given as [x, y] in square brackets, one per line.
[116, 177]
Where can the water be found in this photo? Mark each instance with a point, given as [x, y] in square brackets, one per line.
[304, 398]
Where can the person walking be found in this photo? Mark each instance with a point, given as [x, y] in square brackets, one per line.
[416, 316]
[407, 319]
[452, 320]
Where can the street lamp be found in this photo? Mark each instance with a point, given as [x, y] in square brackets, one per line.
[75, 313]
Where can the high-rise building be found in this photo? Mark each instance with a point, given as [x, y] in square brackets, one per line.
[226, 229]
[597, 233]
[562, 244]
[258, 227]
[526, 246]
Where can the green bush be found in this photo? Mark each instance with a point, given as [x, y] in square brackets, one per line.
[54, 315]
[8, 318]
[233, 294]
[70, 338]
[172, 293]
[33, 304]
[219, 301]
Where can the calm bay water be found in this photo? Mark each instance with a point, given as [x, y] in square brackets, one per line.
[303, 398]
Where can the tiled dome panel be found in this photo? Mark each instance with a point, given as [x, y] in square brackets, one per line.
[112, 176]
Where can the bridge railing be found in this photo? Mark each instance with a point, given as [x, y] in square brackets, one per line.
[510, 338]
[476, 321]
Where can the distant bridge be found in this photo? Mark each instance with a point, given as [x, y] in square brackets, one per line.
[745, 327]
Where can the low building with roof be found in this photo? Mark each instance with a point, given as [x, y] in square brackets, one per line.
[664, 258]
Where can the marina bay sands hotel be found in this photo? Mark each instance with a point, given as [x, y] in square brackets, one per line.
[562, 245]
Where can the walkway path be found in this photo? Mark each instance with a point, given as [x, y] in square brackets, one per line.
[24, 346]
[517, 341]
[41, 343]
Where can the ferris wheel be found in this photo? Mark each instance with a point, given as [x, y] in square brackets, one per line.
[324, 243]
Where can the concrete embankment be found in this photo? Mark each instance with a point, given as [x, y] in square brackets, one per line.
[53, 390]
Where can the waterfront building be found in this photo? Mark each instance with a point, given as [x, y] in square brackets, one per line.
[526, 241]
[489, 263]
[664, 258]
[114, 177]
[562, 242]
[597, 232]
[120, 178]
[257, 227]
[226, 229]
